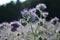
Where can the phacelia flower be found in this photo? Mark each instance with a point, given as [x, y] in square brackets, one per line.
[41, 6]
[54, 20]
[32, 10]
[15, 24]
[33, 14]
[24, 11]
[44, 14]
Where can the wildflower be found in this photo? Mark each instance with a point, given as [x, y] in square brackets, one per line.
[44, 14]
[33, 14]
[32, 10]
[41, 6]
[54, 20]
[15, 24]
[24, 11]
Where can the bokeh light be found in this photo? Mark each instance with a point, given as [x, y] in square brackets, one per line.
[22, 1]
[8, 1]
[4, 1]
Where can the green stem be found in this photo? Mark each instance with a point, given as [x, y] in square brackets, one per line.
[33, 32]
[34, 37]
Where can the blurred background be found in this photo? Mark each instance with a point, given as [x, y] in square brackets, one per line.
[10, 9]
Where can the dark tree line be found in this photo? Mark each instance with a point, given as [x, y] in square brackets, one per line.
[11, 11]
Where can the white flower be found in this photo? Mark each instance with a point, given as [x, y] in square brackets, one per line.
[54, 19]
[41, 6]
[33, 14]
[44, 14]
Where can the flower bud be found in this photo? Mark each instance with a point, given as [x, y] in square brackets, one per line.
[44, 14]
[41, 6]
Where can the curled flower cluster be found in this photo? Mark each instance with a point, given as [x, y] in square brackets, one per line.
[41, 6]
[31, 26]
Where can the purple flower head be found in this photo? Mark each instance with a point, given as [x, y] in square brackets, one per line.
[24, 11]
[33, 10]
[54, 20]
[57, 19]
[41, 6]
[15, 24]
[33, 14]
